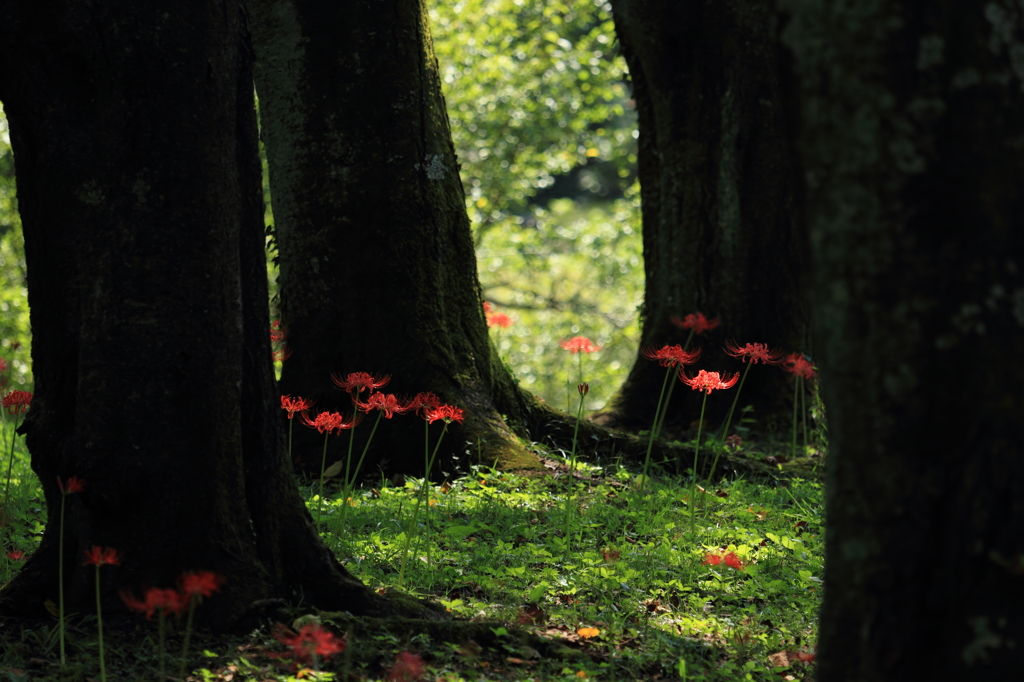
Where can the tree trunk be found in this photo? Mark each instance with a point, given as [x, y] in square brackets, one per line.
[134, 135]
[377, 268]
[913, 121]
[718, 189]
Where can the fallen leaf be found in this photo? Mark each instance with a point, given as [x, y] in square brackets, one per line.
[531, 614]
[587, 633]
[779, 659]
[611, 555]
[721, 493]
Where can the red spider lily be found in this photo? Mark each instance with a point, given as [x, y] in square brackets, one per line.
[798, 365]
[730, 560]
[583, 388]
[311, 640]
[100, 556]
[329, 422]
[292, 405]
[672, 356]
[804, 656]
[754, 353]
[580, 344]
[17, 402]
[708, 381]
[487, 307]
[164, 601]
[281, 355]
[423, 403]
[449, 413]
[16, 555]
[697, 322]
[408, 667]
[499, 320]
[277, 334]
[73, 485]
[358, 381]
[385, 402]
[199, 584]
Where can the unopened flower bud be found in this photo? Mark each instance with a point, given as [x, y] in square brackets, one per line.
[583, 388]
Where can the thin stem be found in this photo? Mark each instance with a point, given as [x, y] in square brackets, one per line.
[735, 399]
[163, 647]
[655, 428]
[803, 410]
[796, 400]
[421, 497]
[348, 482]
[572, 470]
[99, 624]
[188, 635]
[60, 580]
[323, 464]
[696, 455]
[10, 467]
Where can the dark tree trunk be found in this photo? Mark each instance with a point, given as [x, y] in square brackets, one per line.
[377, 268]
[134, 135]
[913, 121]
[717, 179]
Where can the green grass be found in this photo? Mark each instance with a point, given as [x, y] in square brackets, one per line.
[629, 571]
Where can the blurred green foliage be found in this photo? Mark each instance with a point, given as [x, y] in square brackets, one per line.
[546, 137]
[15, 333]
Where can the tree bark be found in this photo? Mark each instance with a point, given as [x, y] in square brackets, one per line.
[134, 135]
[718, 184]
[377, 267]
[913, 122]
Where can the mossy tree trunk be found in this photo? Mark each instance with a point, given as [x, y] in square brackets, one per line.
[913, 141]
[134, 134]
[718, 186]
[377, 268]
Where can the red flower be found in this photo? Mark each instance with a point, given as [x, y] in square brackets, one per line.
[487, 307]
[311, 640]
[17, 402]
[357, 381]
[583, 388]
[499, 320]
[385, 402]
[3, 365]
[281, 355]
[16, 555]
[697, 322]
[101, 555]
[754, 353]
[277, 335]
[329, 422]
[408, 667]
[74, 485]
[800, 366]
[293, 405]
[199, 584]
[708, 381]
[730, 560]
[804, 656]
[164, 601]
[448, 413]
[672, 356]
[580, 344]
[422, 403]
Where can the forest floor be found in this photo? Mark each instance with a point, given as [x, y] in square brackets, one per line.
[584, 574]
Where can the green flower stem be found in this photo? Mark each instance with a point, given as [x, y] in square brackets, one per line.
[345, 493]
[10, 467]
[803, 410]
[696, 455]
[796, 400]
[99, 624]
[422, 497]
[735, 399]
[188, 635]
[572, 470]
[349, 475]
[323, 465]
[60, 580]
[655, 428]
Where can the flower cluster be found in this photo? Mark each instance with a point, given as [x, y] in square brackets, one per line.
[730, 560]
[496, 319]
[310, 641]
[192, 587]
[580, 344]
[17, 402]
